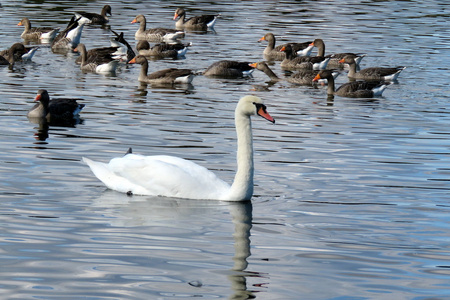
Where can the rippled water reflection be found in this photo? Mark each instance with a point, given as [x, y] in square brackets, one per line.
[350, 198]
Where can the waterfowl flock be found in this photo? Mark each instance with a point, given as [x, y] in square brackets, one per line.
[172, 176]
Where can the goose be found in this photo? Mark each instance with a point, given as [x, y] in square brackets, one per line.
[96, 62]
[54, 109]
[229, 69]
[124, 51]
[70, 37]
[24, 54]
[162, 50]
[12, 54]
[293, 62]
[171, 176]
[273, 53]
[202, 22]
[165, 76]
[334, 62]
[37, 33]
[303, 77]
[155, 34]
[374, 73]
[355, 89]
[93, 18]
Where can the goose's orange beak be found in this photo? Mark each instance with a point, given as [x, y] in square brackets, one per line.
[317, 77]
[134, 21]
[133, 61]
[283, 49]
[342, 61]
[38, 98]
[175, 16]
[261, 39]
[253, 65]
[20, 24]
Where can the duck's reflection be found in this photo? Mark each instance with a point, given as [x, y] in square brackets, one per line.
[124, 211]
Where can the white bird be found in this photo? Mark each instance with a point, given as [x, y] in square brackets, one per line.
[170, 176]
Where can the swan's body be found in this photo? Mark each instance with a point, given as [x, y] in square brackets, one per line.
[170, 176]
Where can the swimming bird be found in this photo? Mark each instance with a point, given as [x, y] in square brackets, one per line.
[165, 76]
[12, 54]
[96, 62]
[44, 34]
[373, 73]
[155, 34]
[336, 57]
[162, 50]
[229, 69]
[272, 52]
[170, 176]
[70, 37]
[58, 109]
[202, 22]
[293, 62]
[354, 89]
[93, 18]
[21, 54]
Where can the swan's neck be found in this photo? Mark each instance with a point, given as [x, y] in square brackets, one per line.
[242, 187]
[144, 71]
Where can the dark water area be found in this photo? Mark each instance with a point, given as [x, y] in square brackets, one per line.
[351, 195]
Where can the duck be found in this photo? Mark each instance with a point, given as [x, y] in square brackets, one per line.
[44, 34]
[165, 76]
[54, 109]
[293, 62]
[21, 54]
[201, 23]
[172, 176]
[93, 18]
[336, 57]
[70, 37]
[12, 54]
[155, 34]
[354, 89]
[162, 50]
[97, 61]
[273, 53]
[373, 73]
[229, 69]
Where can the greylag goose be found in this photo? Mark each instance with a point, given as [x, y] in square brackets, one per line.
[37, 33]
[93, 18]
[273, 53]
[14, 53]
[302, 77]
[166, 76]
[96, 62]
[374, 73]
[155, 34]
[54, 109]
[70, 37]
[229, 69]
[162, 50]
[335, 58]
[293, 62]
[24, 54]
[354, 89]
[202, 22]
[171, 176]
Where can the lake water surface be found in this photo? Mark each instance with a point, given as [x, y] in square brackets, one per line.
[351, 196]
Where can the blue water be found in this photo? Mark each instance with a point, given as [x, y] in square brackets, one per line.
[351, 196]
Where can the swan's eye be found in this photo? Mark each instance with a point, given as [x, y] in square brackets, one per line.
[260, 106]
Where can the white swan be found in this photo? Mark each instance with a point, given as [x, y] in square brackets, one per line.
[171, 176]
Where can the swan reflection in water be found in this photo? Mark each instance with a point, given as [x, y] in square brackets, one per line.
[123, 211]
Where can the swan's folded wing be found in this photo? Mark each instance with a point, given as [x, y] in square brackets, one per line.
[166, 176]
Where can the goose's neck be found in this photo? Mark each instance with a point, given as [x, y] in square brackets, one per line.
[143, 25]
[181, 20]
[83, 56]
[144, 71]
[271, 43]
[330, 88]
[321, 49]
[242, 187]
[270, 73]
[352, 70]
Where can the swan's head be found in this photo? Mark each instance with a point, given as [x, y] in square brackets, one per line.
[252, 105]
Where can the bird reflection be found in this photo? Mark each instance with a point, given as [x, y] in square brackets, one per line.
[41, 134]
[133, 211]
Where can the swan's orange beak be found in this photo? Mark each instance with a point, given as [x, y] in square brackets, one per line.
[342, 61]
[38, 98]
[20, 24]
[253, 65]
[317, 77]
[263, 113]
[133, 61]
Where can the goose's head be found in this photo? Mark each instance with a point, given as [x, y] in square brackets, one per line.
[139, 19]
[252, 105]
[43, 97]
